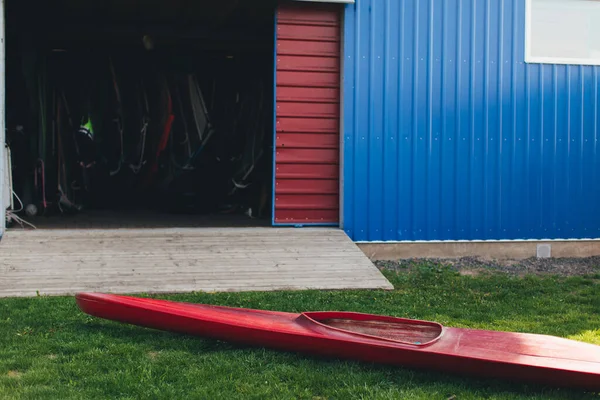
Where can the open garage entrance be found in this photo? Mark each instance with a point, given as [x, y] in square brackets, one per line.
[132, 114]
[149, 141]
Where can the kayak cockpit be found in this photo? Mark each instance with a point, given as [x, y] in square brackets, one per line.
[398, 330]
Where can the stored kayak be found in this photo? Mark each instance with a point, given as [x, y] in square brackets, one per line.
[524, 357]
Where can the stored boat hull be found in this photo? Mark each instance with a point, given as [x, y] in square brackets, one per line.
[371, 338]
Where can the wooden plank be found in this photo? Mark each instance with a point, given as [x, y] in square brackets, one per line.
[62, 262]
[323, 285]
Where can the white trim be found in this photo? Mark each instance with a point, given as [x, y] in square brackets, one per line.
[475, 241]
[341, 119]
[563, 61]
[2, 116]
[549, 60]
[528, 58]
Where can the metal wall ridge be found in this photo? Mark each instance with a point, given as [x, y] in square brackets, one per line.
[450, 135]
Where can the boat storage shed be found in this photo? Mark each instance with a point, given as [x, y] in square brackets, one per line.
[389, 121]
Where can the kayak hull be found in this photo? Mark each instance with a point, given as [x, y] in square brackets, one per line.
[521, 357]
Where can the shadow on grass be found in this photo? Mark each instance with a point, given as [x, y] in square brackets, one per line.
[363, 374]
[116, 360]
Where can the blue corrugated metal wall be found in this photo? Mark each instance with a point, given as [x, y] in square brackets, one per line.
[450, 135]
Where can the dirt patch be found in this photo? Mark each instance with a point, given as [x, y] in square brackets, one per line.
[473, 266]
[153, 355]
[14, 374]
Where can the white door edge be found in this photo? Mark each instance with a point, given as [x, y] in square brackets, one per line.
[2, 117]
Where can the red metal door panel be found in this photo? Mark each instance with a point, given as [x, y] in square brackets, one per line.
[307, 95]
[307, 138]
[312, 110]
[312, 32]
[316, 202]
[307, 186]
[309, 14]
[307, 156]
[308, 79]
[310, 171]
[294, 63]
[314, 125]
[305, 47]
[299, 217]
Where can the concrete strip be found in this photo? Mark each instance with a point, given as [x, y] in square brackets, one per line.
[485, 250]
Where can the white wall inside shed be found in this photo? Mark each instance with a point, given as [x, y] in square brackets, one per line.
[3, 183]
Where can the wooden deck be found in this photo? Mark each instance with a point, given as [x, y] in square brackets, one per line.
[163, 260]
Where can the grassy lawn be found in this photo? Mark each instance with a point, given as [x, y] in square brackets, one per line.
[50, 350]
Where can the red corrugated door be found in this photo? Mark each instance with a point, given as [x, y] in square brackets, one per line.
[307, 137]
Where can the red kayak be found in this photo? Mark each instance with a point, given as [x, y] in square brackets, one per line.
[372, 338]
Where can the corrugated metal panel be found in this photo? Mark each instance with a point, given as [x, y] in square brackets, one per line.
[307, 142]
[449, 135]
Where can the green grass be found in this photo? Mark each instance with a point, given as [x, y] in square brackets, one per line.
[50, 350]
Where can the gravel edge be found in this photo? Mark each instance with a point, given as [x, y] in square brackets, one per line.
[584, 266]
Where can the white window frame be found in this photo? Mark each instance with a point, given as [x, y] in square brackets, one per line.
[548, 60]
